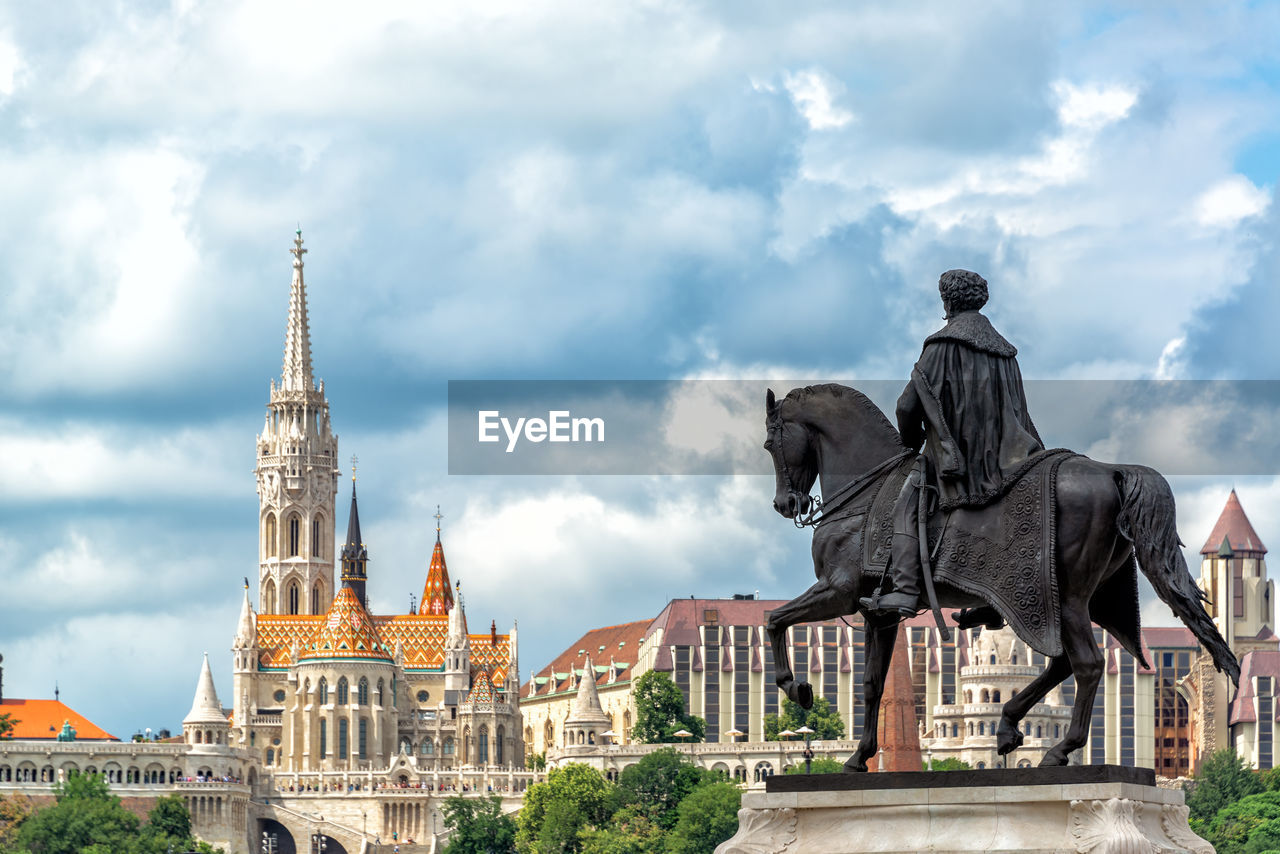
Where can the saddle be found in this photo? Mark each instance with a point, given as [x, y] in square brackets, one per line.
[1005, 552]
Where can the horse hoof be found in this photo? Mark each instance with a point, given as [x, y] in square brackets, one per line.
[855, 766]
[1053, 758]
[1008, 739]
[804, 695]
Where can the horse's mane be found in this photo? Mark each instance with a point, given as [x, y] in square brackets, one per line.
[875, 418]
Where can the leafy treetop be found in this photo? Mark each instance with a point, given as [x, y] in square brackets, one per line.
[822, 719]
[660, 711]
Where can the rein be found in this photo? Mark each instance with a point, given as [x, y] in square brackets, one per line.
[821, 511]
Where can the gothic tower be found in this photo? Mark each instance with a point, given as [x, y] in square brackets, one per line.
[297, 476]
[1233, 572]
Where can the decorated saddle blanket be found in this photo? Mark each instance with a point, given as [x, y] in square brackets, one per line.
[1004, 553]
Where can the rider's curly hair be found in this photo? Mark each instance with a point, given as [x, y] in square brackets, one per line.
[964, 290]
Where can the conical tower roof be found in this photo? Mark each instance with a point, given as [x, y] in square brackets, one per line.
[354, 548]
[437, 593]
[1233, 525]
[205, 708]
[586, 705]
[347, 632]
[245, 634]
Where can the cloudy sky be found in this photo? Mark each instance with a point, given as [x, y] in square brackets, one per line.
[568, 190]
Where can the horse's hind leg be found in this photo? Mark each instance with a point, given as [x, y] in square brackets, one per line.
[881, 638]
[1008, 736]
[822, 601]
[1086, 666]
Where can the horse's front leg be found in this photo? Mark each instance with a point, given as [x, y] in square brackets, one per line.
[822, 601]
[881, 637]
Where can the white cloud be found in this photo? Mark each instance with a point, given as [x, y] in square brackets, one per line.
[812, 93]
[1230, 200]
[12, 68]
[1093, 107]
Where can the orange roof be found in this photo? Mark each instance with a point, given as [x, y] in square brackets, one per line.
[437, 596]
[346, 631]
[1235, 527]
[43, 719]
[620, 643]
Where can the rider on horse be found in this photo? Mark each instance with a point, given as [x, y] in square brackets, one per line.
[966, 405]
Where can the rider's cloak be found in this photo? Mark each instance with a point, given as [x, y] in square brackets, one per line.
[966, 403]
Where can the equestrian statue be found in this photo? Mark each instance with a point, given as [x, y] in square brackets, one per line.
[984, 518]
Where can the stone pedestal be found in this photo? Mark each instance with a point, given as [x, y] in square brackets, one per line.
[1088, 809]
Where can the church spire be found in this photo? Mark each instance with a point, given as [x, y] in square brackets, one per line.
[437, 595]
[355, 556]
[296, 375]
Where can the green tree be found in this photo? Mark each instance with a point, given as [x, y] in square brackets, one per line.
[572, 798]
[822, 719]
[659, 782]
[13, 812]
[479, 826]
[706, 817]
[1247, 826]
[948, 764]
[631, 831]
[819, 766]
[85, 814]
[536, 761]
[7, 723]
[169, 822]
[1222, 779]
[660, 711]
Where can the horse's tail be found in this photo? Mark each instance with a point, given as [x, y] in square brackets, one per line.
[1147, 520]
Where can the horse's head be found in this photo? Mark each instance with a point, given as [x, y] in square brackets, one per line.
[795, 460]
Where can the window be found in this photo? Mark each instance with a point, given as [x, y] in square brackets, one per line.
[423, 696]
[342, 691]
[293, 598]
[269, 546]
[364, 738]
[279, 695]
[378, 696]
[483, 756]
[315, 599]
[362, 695]
[711, 616]
[317, 547]
[323, 690]
[293, 536]
[428, 747]
[271, 756]
[324, 737]
[497, 746]
[448, 746]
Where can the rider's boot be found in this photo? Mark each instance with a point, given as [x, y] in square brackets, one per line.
[904, 569]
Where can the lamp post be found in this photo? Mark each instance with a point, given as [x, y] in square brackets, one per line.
[269, 843]
[319, 843]
[808, 753]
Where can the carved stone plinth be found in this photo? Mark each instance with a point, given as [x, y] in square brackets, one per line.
[1090, 809]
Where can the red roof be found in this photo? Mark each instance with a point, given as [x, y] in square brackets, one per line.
[620, 643]
[1235, 527]
[437, 595]
[43, 719]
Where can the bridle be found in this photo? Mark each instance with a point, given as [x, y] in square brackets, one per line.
[821, 512]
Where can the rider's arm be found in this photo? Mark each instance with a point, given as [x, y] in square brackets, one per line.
[910, 413]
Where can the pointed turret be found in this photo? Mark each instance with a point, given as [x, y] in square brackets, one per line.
[437, 596]
[355, 556]
[1234, 526]
[457, 637]
[205, 708]
[246, 635]
[296, 375]
[457, 648]
[587, 721]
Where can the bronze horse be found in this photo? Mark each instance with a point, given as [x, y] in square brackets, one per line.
[1105, 514]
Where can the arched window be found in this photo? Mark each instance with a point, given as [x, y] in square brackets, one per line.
[323, 690]
[982, 728]
[1015, 659]
[315, 599]
[363, 694]
[295, 536]
[342, 691]
[955, 730]
[763, 771]
[294, 597]
[324, 738]
[497, 745]
[269, 597]
[342, 738]
[995, 696]
[271, 756]
[317, 542]
[428, 747]
[364, 738]
[378, 696]
[985, 697]
[269, 536]
[482, 755]
[993, 658]
[1039, 732]
[449, 746]
[548, 735]
[1057, 731]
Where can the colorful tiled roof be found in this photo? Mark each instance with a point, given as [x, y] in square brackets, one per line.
[437, 594]
[1234, 525]
[481, 688]
[43, 719]
[347, 631]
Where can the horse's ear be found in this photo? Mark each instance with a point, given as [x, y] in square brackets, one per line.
[769, 400]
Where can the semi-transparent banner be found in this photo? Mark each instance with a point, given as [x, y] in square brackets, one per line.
[717, 427]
